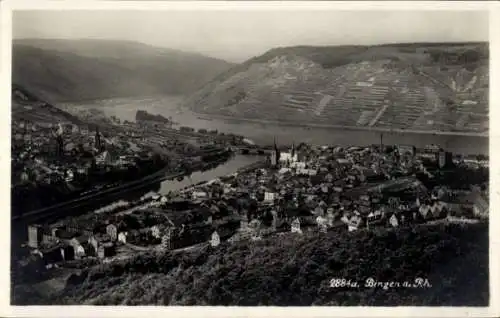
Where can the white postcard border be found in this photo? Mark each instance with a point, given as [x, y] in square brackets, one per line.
[122, 311]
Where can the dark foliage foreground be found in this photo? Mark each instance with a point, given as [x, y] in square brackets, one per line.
[294, 270]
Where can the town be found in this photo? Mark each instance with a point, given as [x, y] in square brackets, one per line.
[52, 163]
[295, 189]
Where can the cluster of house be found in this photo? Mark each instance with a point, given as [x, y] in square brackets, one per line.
[332, 186]
[61, 244]
[304, 189]
[178, 224]
[50, 153]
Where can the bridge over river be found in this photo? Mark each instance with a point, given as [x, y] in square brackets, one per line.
[252, 150]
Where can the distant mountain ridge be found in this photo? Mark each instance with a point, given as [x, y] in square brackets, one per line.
[74, 70]
[417, 86]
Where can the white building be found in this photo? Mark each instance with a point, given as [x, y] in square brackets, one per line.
[199, 194]
[295, 228]
[215, 239]
[322, 224]
[424, 210]
[111, 230]
[69, 175]
[284, 170]
[269, 196]
[155, 231]
[103, 158]
[122, 237]
[394, 220]
[352, 223]
[343, 161]
[287, 157]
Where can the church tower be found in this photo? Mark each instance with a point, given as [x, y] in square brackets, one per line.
[293, 154]
[59, 141]
[97, 140]
[275, 155]
[59, 145]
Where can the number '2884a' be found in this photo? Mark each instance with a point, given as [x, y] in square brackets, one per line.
[342, 282]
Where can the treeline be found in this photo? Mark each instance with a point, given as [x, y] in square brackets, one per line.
[142, 115]
[296, 270]
[334, 56]
[458, 58]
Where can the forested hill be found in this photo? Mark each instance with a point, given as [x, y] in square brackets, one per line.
[74, 70]
[294, 270]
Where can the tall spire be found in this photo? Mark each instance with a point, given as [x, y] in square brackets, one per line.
[97, 138]
[276, 150]
[292, 153]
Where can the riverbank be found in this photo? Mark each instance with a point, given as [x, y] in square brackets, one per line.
[245, 169]
[285, 133]
[206, 116]
[156, 177]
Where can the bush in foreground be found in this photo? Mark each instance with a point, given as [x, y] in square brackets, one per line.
[296, 270]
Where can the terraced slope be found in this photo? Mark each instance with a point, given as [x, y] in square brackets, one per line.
[429, 87]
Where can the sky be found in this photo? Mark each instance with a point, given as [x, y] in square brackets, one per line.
[237, 35]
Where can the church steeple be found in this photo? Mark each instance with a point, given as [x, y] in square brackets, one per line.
[275, 155]
[277, 150]
[97, 139]
[58, 134]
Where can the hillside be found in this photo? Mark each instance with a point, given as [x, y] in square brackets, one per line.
[74, 70]
[28, 107]
[405, 86]
[296, 270]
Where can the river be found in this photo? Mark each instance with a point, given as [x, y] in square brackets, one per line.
[227, 168]
[261, 133]
[19, 234]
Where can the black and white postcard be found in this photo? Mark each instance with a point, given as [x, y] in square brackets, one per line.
[330, 157]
